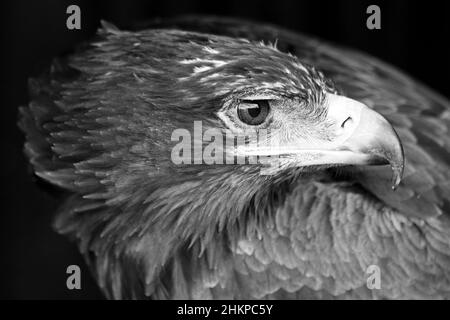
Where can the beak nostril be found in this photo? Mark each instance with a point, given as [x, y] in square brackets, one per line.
[347, 122]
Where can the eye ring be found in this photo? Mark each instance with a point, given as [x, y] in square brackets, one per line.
[253, 112]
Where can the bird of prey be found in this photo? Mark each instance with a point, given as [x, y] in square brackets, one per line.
[351, 129]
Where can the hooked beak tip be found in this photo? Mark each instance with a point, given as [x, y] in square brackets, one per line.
[397, 166]
[397, 174]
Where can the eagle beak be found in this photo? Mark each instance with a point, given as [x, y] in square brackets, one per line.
[364, 137]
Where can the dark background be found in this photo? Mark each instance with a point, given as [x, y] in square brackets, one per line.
[33, 258]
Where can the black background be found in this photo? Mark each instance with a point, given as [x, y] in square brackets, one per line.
[33, 258]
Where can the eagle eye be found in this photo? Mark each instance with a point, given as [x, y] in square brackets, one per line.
[253, 112]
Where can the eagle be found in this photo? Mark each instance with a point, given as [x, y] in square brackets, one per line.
[361, 180]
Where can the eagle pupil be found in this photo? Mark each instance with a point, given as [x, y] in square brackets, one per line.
[253, 112]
